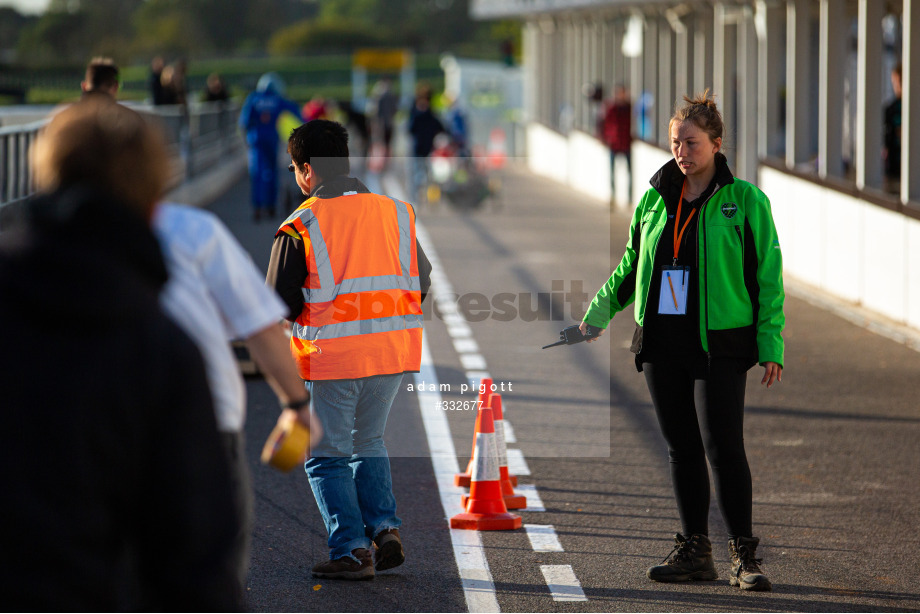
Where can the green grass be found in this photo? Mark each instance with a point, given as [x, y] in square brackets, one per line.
[328, 76]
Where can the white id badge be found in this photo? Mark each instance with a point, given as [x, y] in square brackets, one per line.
[673, 297]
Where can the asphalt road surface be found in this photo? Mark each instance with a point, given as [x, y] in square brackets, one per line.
[833, 448]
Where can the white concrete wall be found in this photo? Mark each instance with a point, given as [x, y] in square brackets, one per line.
[577, 160]
[547, 152]
[852, 249]
[856, 251]
[589, 165]
[646, 160]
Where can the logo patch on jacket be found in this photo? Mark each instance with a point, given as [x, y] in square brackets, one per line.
[729, 210]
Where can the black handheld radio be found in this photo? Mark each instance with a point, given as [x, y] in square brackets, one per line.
[571, 335]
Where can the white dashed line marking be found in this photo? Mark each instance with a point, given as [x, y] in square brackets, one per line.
[516, 463]
[562, 583]
[509, 431]
[543, 538]
[534, 502]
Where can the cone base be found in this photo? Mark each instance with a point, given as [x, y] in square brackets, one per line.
[486, 522]
[512, 502]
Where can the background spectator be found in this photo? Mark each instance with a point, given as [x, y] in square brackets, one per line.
[259, 120]
[423, 127]
[101, 77]
[617, 133]
[156, 80]
[215, 89]
[891, 153]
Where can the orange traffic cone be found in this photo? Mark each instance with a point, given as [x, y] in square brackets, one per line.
[485, 507]
[485, 391]
[512, 501]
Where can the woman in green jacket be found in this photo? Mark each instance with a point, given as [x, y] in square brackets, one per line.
[704, 268]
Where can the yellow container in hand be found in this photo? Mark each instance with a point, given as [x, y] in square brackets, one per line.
[286, 446]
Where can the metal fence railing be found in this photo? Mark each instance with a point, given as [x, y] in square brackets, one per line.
[198, 137]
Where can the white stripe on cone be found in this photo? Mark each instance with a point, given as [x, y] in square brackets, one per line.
[486, 467]
[500, 440]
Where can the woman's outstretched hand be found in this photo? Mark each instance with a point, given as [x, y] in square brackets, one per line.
[583, 327]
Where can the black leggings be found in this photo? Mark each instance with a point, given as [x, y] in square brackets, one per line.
[702, 415]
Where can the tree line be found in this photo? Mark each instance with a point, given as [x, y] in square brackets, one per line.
[130, 30]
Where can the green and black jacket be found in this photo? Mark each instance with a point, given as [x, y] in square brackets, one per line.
[739, 263]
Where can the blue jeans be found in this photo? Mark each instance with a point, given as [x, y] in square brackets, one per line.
[349, 469]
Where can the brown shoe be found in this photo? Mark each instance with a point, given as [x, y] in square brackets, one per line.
[746, 571]
[389, 552]
[346, 568]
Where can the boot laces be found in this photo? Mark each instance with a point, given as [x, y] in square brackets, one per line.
[748, 563]
[683, 551]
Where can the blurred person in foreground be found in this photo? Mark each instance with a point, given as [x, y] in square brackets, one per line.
[118, 496]
[216, 294]
[353, 275]
[101, 78]
[704, 268]
[259, 120]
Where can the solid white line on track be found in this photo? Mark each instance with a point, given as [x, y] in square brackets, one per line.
[469, 553]
[543, 538]
[562, 583]
[475, 577]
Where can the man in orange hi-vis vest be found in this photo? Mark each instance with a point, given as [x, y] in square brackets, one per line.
[353, 275]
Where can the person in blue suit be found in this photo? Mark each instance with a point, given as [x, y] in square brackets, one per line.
[258, 119]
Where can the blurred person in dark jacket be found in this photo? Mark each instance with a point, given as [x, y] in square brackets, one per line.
[424, 125]
[117, 495]
[155, 81]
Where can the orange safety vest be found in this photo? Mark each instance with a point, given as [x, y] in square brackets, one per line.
[362, 312]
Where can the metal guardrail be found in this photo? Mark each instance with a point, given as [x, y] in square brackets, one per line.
[198, 137]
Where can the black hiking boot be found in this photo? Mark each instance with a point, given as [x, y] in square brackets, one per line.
[746, 572]
[691, 559]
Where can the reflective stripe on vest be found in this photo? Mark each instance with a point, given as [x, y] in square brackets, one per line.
[329, 290]
[357, 327]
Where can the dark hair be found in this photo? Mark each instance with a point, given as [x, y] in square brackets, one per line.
[703, 112]
[101, 73]
[106, 145]
[323, 144]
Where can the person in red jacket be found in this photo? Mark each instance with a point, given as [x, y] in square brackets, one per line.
[617, 131]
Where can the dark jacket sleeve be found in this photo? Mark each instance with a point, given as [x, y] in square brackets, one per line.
[424, 269]
[287, 270]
